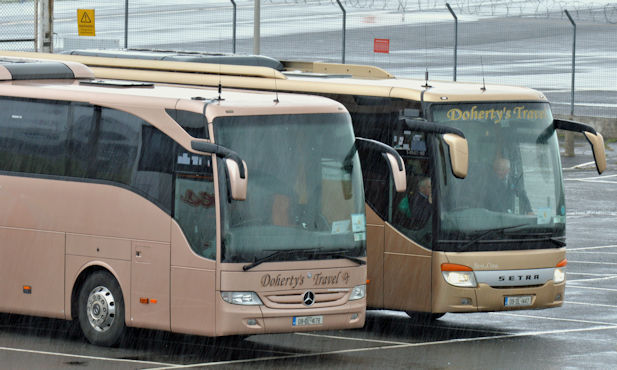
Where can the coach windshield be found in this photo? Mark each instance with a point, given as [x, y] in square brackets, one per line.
[305, 196]
[514, 189]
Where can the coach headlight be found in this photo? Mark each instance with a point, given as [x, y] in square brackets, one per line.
[559, 276]
[242, 298]
[458, 275]
[358, 292]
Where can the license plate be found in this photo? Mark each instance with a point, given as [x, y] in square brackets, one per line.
[307, 320]
[518, 301]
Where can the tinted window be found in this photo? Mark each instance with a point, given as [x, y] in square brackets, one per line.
[112, 145]
[194, 205]
[33, 136]
[194, 124]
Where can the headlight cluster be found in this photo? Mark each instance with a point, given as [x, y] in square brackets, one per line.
[358, 292]
[465, 279]
[459, 275]
[559, 276]
[242, 298]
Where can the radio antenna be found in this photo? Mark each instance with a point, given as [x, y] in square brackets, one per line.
[276, 90]
[426, 85]
[483, 88]
[220, 85]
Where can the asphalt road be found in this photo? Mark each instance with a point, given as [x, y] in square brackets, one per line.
[581, 334]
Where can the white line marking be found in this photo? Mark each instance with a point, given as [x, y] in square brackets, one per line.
[596, 253]
[553, 318]
[84, 357]
[351, 339]
[593, 262]
[407, 345]
[580, 165]
[591, 288]
[589, 248]
[588, 274]
[594, 179]
[592, 304]
[594, 279]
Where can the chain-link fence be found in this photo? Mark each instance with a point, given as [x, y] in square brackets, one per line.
[17, 24]
[524, 42]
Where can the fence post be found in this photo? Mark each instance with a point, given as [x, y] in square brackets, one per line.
[573, 62]
[569, 139]
[455, 37]
[45, 26]
[234, 31]
[344, 28]
[256, 26]
[126, 24]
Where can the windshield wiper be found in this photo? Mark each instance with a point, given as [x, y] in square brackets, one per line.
[545, 236]
[341, 254]
[487, 233]
[313, 251]
[282, 252]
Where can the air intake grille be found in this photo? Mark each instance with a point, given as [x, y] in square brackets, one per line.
[294, 299]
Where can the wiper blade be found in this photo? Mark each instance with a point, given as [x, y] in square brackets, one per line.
[282, 252]
[487, 233]
[559, 241]
[341, 254]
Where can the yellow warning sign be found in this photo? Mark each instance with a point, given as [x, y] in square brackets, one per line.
[85, 22]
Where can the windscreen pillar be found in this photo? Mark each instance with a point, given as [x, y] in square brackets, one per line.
[44, 26]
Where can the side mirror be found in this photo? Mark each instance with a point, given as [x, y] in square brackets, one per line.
[454, 138]
[235, 167]
[237, 183]
[594, 138]
[394, 160]
[459, 154]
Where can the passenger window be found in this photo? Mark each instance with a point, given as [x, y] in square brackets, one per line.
[412, 212]
[194, 201]
[194, 124]
[33, 136]
[116, 146]
[376, 176]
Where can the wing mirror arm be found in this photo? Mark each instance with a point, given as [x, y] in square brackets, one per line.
[454, 138]
[394, 160]
[235, 167]
[594, 138]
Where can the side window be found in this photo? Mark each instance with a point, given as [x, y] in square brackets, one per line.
[153, 175]
[413, 210]
[194, 124]
[194, 201]
[33, 136]
[376, 176]
[112, 145]
[118, 145]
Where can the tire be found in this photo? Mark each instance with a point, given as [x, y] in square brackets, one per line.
[101, 309]
[424, 317]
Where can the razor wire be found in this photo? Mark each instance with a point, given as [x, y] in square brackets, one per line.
[587, 10]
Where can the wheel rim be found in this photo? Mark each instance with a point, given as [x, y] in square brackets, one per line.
[101, 309]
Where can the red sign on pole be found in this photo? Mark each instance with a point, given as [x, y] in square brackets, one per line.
[381, 46]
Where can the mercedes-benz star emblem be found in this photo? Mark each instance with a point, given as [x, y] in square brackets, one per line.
[309, 298]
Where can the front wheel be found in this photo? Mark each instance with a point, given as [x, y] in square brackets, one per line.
[423, 317]
[101, 309]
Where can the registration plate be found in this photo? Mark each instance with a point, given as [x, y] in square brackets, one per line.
[518, 301]
[307, 320]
